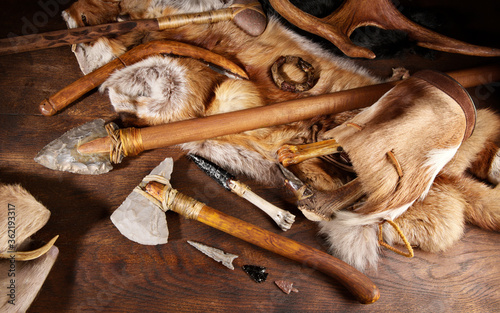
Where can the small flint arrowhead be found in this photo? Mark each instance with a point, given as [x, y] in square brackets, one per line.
[218, 255]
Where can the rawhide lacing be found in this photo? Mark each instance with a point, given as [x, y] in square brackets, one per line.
[124, 142]
[382, 243]
[172, 200]
[293, 86]
[116, 149]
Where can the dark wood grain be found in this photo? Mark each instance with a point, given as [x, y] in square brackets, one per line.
[99, 270]
[67, 37]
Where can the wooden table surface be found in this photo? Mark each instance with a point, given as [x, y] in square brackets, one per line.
[100, 270]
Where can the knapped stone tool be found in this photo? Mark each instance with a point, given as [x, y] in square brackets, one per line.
[94, 151]
[157, 189]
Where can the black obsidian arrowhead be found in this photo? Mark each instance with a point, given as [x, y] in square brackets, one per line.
[257, 273]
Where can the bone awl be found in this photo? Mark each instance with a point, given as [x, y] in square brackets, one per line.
[283, 219]
[356, 282]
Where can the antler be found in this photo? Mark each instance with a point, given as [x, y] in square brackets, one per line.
[338, 26]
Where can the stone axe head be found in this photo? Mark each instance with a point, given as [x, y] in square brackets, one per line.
[141, 218]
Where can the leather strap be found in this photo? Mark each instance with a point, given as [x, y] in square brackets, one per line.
[453, 89]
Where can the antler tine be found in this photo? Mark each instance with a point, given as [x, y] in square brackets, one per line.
[338, 26]
[323, 27]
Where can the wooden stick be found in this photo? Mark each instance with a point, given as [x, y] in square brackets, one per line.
[338, 26]
[240, 14]
[78, 88]
[359, 284]
[275, 114]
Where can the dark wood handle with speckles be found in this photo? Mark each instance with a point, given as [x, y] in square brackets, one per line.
[72, 36]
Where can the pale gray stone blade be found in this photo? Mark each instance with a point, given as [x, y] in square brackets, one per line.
[218, 255]
[141, 220]
[62, 154]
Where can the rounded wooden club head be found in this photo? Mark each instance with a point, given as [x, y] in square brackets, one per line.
[250, 17]
[46, 108]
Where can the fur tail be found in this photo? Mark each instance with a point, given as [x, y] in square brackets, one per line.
[483, 207]
[352, 240]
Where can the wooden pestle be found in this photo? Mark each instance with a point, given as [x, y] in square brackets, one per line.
[357, 283]
[276, 114]
[246, 14]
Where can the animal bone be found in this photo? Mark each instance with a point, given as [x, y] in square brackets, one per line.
[29, 255]
[293, 154]
[283, 218]
[338, 26]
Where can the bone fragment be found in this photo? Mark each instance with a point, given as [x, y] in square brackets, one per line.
[283, 218]
[218, 255]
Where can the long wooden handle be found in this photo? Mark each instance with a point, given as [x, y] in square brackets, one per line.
[276, 114]
[67, 37]
[246, 14]
[356, 282]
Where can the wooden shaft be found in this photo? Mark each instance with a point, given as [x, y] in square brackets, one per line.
[242, 18]
[357, 283]
[270, 115]
[280, 113]
[75, 90]
[72, 36]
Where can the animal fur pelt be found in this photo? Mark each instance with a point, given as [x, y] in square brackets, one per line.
[165, 89]
[21, 216]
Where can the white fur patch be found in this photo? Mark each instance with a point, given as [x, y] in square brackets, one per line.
[90, 56]
[436, 160]
[193, 6]
[494, 172]
[354, 243]
[153, 88]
